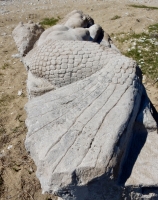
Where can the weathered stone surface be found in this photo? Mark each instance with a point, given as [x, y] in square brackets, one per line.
[77, 18]
[96, 33]
[43, 61]
[61, 32]
[25, 36]
[90, 122]
[85, 133]
[85, 31]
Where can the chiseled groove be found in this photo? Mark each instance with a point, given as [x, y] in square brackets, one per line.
[99, 125]
[123, 132]
[36, 105]
[61, 115]
[104, 119]
[105, 59]
[83, 79]
[60, 98]
[69, 96]
[79, 132]
[74, 122]
[97, 156]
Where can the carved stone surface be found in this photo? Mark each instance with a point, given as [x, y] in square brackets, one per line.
[25, 36]
[73, 133]
[64, 62]
[77, 18]
[90, 122]
[61, 32]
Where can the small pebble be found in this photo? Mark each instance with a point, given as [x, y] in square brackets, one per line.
[19, 92]
[9, 147]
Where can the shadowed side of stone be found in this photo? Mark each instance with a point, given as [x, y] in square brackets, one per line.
[139, 174]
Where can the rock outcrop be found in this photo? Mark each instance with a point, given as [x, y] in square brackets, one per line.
[92, 129]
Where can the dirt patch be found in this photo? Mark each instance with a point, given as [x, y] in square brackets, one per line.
[17, 171]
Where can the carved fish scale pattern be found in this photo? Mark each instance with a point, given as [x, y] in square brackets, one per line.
[65, 62]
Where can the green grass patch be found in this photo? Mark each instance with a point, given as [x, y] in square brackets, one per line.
[49, 21]
[5, 66]
[143, 6]
[153, 28]
[5, 99]
[143, 48]
[115, 17]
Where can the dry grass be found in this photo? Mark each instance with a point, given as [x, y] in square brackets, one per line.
[115, 17]
[49, 21]
[143, 6]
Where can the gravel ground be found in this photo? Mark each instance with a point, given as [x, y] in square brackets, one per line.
[17, 170]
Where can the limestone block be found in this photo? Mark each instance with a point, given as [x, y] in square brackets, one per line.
[96, 33]
[37, 61]
[25, 36]
[78, 138]
[77, 18]
[57, 33]
[61, 32]
[77, 26]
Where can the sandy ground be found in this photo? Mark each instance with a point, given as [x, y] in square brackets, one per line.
[17, 170]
